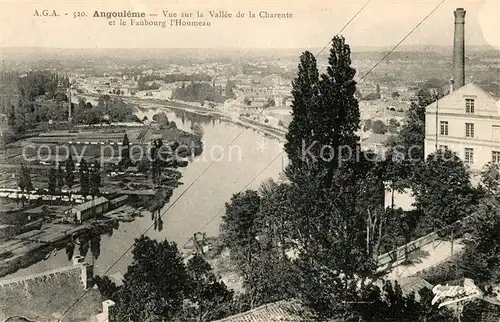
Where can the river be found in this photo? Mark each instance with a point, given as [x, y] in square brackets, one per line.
[232, 166]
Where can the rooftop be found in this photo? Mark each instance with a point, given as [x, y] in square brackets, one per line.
[90, 204]
[285, 310]
[44, 297]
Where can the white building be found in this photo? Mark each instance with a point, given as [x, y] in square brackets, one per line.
[467, 123]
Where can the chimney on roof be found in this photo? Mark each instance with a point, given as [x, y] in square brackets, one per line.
[452, 85]
[459, 49]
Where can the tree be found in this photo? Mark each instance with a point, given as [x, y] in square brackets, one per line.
[52, 181]
[393, 126]
[154, 285]
[125, 152]
[107, 287]
[395, 95]
[481, 259]
[239, 231]
[444, 192]
[70, 169]
[95, 179]
[305, 89]
[207, 293]
[60, 177]
[410, 141]
[338, 109]
[406, 150]
[490, 177]
[84, 178]
[247, 101]
[368, 125]
[24, 180]
[379, 127]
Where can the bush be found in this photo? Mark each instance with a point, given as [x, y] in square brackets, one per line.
[379, 127]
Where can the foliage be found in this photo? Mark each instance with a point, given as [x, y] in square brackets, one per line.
[197, 92]
[338, 109]
[69, 173]
[24, 179]
[368, 125]
[444, 192]
[490, 177]
[300, 130]
[481, 260]
[154, 285]
[107, 287]
[60, 177]
[125, 152]
[406, 150]
[52, 181]
[379, 127]
[247, 101]
[95, 178]
[393, 126]
[207, 293]
[238, 230]
[84, 178]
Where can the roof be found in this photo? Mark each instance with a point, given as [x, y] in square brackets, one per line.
[119, 199]
[286, 310]
[44, 297]
[413, 284]
[90, 204]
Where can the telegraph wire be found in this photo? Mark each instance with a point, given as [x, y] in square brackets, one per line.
[279, 154]
[394, 48]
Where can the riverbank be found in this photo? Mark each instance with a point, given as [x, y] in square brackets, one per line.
[35, 245]
[246, 122]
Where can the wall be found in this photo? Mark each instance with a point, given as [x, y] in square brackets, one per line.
[452, 109]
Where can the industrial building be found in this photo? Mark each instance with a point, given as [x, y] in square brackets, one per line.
[467, 120]
[90, 209]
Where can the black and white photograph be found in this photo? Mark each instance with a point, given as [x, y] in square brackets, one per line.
[250, 161]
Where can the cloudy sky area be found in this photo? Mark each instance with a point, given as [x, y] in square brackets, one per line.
[381, 23]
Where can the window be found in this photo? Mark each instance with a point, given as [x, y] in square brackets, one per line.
[469, 105]
[469, 155]
[495, 156]
[469, 130]
[495, 133]
[444, 128]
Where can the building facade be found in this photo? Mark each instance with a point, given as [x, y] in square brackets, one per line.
[90, 209]
[467, 122]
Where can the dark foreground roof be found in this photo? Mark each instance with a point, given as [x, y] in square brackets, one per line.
[44, 297]
[286, 310]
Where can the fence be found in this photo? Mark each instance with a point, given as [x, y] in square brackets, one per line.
[400, 253]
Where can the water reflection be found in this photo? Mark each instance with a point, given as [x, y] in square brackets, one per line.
[214, 185]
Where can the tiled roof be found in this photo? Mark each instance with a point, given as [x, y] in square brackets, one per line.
[286, 310]
[413, 284]
[44, 297]
[90, 204]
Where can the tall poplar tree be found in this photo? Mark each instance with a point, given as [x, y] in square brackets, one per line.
[84, 178]
[70, 172]
[338, 118]
[300, 131]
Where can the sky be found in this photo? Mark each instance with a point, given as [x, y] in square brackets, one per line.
[314, 22]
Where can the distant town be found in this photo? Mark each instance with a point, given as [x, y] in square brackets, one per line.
[118, 203]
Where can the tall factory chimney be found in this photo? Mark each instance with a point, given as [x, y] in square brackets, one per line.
[459, 49]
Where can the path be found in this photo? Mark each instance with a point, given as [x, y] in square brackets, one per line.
[427, 256]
